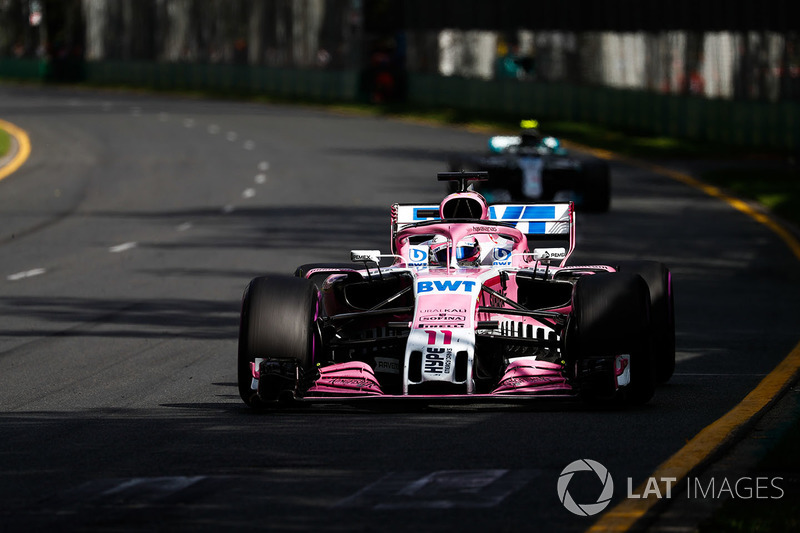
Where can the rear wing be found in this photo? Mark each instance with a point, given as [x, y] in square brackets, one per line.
[549, 228]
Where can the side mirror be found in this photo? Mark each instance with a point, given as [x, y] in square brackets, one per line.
[549, 254]
[360, 256]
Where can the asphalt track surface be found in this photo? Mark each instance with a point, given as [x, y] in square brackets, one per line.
[127, 238]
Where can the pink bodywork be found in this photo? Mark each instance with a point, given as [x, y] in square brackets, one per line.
[447, 298]
[351, 378]
[530, 376]
[525, 376]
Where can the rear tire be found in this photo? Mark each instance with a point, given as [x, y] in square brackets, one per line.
[611, 317]
[662, 312]
[277, 321]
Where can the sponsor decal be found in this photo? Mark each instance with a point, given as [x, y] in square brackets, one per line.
[438, 361]
[442, 317]
[501, 256]
[426, 213]
[485, 229]
[355, 382]
[387, 365]
[543, 254]
[418, 255]
[445, 310]
[365, 255]
[448, 285]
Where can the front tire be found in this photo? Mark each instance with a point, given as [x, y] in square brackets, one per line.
[611, 317]
[277, 322]
[662, 311]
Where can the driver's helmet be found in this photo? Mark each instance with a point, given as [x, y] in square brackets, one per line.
[530, 137]
[438, 253]
[468, 252]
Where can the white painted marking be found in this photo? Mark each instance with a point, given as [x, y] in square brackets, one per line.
[188, 123]
[261, 178]
[228, 209]
[231, 136]
[263, 166]
[155, 487]
[443, 489]
[213, 129]
[248, 193]
[136, 111]
[249, 145]
[122, 247]
[26, 274]
[184, 227]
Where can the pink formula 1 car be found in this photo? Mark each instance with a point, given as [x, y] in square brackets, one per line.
[474, 303]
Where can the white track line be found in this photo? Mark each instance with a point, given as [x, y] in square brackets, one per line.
[26, 274]
[122, 247]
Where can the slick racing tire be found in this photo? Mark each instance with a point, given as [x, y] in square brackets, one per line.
[596, 187]
[611, 317]
[277, 321]
[662, 312]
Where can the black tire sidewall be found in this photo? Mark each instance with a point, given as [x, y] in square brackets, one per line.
[611, 316]
[662, 311]
[277, 320]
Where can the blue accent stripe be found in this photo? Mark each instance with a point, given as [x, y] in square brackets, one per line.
[512, 212]
[539, 212]
[522, 212]
[538, 228]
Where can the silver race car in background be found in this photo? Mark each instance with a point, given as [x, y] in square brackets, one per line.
[532, 167]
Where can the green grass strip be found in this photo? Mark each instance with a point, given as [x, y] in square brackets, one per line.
[5, 142]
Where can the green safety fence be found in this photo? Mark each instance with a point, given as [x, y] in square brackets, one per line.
[323, 85]
[740, 123]
[22, 69]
